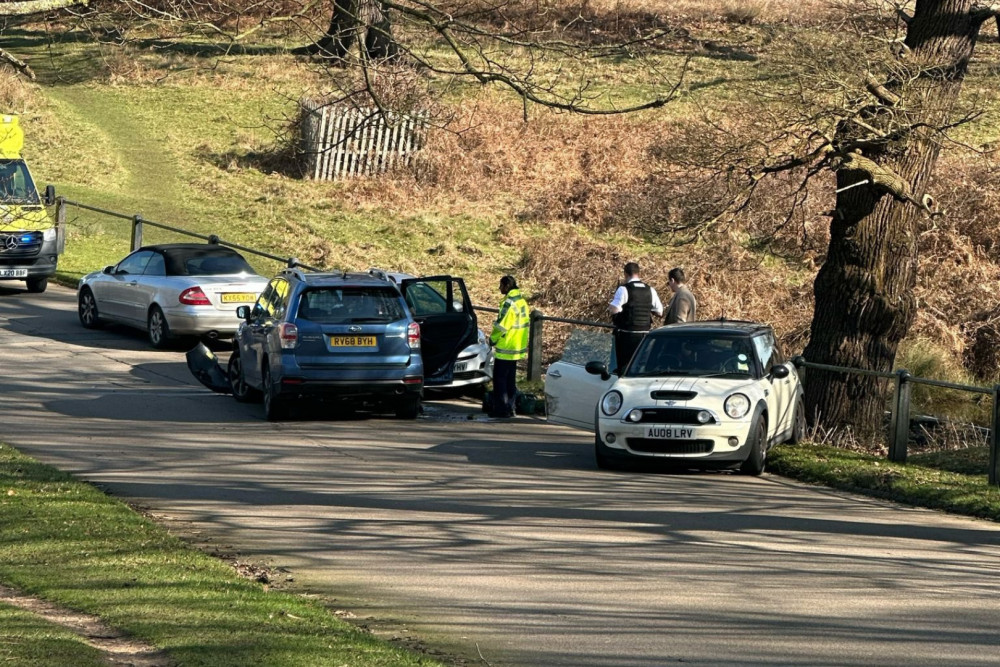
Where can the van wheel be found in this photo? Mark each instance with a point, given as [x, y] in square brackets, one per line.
[159, 330]
[754, 463]
[37, 285]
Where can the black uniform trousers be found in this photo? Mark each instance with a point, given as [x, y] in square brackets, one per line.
[626, 343]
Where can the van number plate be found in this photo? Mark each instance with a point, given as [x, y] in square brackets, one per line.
[352, 341]
[13, 273]
[670, 432]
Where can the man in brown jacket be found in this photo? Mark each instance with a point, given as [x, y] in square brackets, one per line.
[683, 306]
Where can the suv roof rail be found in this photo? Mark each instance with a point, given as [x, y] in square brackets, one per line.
[293, 271]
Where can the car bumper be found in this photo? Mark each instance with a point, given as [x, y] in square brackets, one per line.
[326, 388]
[721, 443]
[39, 266]
[198, 321]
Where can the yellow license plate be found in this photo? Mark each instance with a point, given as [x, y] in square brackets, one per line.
[352, 341]
[238, 297]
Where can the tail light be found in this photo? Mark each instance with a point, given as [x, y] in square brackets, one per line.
[288, 334]
[193, 296]
[413, 335]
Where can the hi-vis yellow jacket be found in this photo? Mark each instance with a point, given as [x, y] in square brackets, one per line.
[510, 331]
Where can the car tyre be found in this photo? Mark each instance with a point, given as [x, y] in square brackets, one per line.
[757, 459]
[408, 407]
[87, 309]
[242, 392]
[37, 285]
[159, 330]
[605, 460]
[799, 426]
[275, 408]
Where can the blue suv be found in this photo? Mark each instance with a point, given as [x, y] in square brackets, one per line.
[351, 336]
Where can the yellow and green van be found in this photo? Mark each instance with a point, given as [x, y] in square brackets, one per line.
[30, 242]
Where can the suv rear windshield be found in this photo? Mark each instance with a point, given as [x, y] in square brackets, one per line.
[692, 354]
[342, 305]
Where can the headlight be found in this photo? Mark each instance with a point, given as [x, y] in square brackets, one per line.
[611, 403]
[49, 234]
[737, 406]
[704, 417]
[634, 415]
[482, 337]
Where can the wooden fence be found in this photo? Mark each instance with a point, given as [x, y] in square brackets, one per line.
[341, 142]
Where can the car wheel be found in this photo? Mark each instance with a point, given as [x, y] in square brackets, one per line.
[604, 459]
[799, 425]
[242, 392]
[87, 309]
[159, 330]
[37, 285]
[408, 407]
[755, 461]
[274, 407]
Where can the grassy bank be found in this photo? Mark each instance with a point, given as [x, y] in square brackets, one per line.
[68, 543]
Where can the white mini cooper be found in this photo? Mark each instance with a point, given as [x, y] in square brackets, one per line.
[701, 394]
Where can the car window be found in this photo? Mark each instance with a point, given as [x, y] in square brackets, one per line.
[156, 266]
[765, 350]
[134, 264]
[692, 354]
[341, 305]
[279, 302]
[262, 307]
[16, 186]
[584, 345]
[427, 298]
[207, 260]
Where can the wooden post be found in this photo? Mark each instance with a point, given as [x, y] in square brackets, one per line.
[535, 345]
[60, 225]
[900, 417]
[136, 232]
[994, 471]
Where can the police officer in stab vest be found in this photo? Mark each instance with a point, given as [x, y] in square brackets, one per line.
[510, 341]
[632, 310]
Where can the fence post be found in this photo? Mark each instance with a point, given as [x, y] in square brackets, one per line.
[994, 471]
[900, 417]
[535, 345]
[136, 232]
[60, 225]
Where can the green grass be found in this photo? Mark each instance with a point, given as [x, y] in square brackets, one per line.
[27, 639]
[956, 483]
[67, 542]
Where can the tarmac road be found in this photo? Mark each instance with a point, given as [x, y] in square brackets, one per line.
[501, 540]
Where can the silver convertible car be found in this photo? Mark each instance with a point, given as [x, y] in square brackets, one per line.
[170, 290]
[702, 394]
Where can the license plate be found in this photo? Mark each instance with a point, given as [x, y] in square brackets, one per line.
[352, 341]
[460, 367]
[238, 297]
[13, 273]
[670, 432]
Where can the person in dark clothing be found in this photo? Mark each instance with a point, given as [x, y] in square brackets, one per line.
[632, 309]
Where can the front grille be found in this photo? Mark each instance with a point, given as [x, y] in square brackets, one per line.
[672, 416]
[20, 244]
[655, 446]
[669, 395]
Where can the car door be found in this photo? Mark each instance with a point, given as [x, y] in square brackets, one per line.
[253, 341]
[442, 307]
[780, 391]
[571, 393]
[116, 294]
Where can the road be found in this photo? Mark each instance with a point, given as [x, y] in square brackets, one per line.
[501, 540]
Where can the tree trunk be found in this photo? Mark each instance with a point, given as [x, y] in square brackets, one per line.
[349, 19]
[864, 290]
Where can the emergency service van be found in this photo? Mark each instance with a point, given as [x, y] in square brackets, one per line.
[30, 241]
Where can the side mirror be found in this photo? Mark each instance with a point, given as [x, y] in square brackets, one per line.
[780, 372]
[597, 368]
[243, 312]
[108, 270]
[50, 195]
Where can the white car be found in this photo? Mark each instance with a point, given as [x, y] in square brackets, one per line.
[170, 290]
[700, 394]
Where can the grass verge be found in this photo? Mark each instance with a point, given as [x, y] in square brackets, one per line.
[66, 542]
[964, 492]
[27, 639]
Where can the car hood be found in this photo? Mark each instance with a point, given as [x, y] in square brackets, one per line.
[641, 390]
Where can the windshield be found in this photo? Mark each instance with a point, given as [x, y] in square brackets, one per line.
[351, 305]
[693, 354]
[205, 261]
[16, 186]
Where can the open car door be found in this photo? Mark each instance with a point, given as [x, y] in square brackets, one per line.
[571, 393]
[442, 307]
